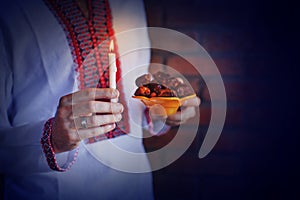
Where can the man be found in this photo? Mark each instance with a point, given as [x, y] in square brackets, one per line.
[53, 54]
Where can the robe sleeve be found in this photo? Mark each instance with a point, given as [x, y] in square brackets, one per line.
[20, 148]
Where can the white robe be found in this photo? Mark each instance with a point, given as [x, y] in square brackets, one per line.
[36, 70]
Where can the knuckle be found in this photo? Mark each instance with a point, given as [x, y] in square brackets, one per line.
[108, 93]
[85, 92]
[92, 93]
[93, 120]
[111, 93]
[90, 106]
[105, 92]
[121, 107]
[61, 112]
[62, 100]
[76, 110]
[115, 93]
[89, 92]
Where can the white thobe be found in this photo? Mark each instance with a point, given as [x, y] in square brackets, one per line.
[36, 70]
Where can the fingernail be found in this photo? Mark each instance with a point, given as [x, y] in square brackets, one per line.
[118, 117]
[117, 108]
[111, 126]
[115, 93]
[115, 100]
[120, 108]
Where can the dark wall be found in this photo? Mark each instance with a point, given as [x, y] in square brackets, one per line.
[1, 186]
[255, 46]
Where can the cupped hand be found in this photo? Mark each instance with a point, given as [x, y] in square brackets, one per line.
[187, 111]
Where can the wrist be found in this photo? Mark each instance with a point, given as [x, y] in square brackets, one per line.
[52, 140]
[48, 148]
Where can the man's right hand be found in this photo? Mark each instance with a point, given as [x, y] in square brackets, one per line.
[84, 114]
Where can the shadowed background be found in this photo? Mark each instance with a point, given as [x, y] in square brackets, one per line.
[253, 43]
[255, 46]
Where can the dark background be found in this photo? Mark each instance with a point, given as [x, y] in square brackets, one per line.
[255, 46]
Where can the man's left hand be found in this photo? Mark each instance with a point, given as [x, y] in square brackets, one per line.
[187, 111]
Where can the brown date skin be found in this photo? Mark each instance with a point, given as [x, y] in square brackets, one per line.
[166, 93]
[163, 85]
[184, 90]
[155, 87]
[161, 77]
[153, 94]
[143, 80]
[142, 91]
[174, 83]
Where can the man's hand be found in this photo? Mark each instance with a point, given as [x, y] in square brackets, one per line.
[187, 111]
[84, 114]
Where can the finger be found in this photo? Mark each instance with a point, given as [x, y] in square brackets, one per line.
[96, 120]
[157, 112]
[183, 115]
[176, 116]
[92, 132]
[90, 107]
[192, 102]
[89, 94]
[173, 123]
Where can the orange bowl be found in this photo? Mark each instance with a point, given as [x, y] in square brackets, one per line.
[170, 104]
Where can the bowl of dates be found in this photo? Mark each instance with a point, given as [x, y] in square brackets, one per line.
[162, 89]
